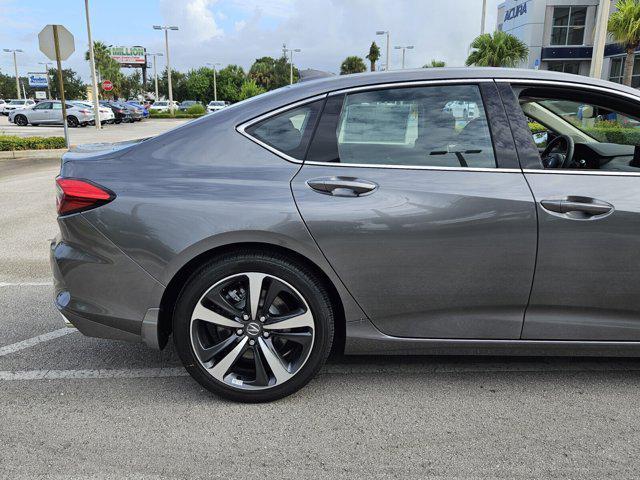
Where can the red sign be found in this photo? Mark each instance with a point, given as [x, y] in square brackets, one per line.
[107, 86]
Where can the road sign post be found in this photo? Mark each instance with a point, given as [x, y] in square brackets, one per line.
[56, 42]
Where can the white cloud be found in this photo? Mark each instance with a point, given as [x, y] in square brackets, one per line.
[195, 17]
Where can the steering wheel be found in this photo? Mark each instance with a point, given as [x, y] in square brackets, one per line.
[552, 159]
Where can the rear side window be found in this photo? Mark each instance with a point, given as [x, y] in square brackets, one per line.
[440, 126]
[288, 132]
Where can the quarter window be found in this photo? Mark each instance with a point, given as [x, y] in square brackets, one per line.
[568, 25]
[439, 126]
[288, 132]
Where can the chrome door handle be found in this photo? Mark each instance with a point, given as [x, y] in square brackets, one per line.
[342, 186]
[589, 207]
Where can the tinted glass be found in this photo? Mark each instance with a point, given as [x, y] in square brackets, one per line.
[576, 36]
[288, 132]
[442, 126]
[561, 16]
[43, 106]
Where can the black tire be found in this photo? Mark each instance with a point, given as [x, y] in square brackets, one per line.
[117, 121]
[300, 278]
[72, 121]
[21, 120]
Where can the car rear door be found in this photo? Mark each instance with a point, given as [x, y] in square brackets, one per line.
[425, 216]
[588, 268]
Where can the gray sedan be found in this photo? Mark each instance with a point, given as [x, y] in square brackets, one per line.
[362, 214]
[50, 113]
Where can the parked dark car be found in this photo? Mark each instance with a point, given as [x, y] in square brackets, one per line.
[144, 113]
[360, 213]
[122, 113]
[184, 106]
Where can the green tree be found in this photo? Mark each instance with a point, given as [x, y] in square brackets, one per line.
[374, 55]
[498, 50]
[435, 64]
[74, 87]
[624, 26]
[198, 83]
[108, 69]
[270, 73]
[131, 85]
[250, 89]
[230, 80]
[352, 64]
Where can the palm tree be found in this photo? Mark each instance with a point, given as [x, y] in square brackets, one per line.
[435, 64]
[374, 55]
[352, 64]
[498, 50]
[624, 26]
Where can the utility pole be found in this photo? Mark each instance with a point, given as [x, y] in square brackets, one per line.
[404, 49]
[385, 32]
[597, 57]
[166, 29]
[15, 66]
[155, 71]
[46, 67]
[484, 14]
[290, 50]
[215, 86]
[94, 81]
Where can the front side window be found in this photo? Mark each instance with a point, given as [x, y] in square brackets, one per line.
[43, 106]
[568, 25]
[288, 132]
[438, 126]
[604, 137]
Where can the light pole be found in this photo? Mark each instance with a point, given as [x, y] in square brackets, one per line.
[385, 32]
[94, 81]
[155, 70]
[484, 14]
[215, 86]
[291, 50]
[166, 29]
[15, 66]
[404, 49]
[46, 67]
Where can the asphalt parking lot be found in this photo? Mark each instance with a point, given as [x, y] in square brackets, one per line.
[89, 134]
[76, 407]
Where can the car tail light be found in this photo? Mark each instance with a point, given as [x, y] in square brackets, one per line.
[74, 195]
[82, 110]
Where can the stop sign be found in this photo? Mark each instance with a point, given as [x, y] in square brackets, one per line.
[65, 42]
[107, 86]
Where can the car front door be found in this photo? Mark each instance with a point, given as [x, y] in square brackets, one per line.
[424, 215]
[588, 269]
[40, 113]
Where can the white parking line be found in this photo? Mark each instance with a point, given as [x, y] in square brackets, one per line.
[91, 374]
[26, 284]
[30, 342]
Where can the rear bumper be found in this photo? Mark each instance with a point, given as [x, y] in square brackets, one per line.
[98, 289]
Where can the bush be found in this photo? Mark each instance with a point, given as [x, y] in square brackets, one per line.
[177, 114]
[535, 127]
[10, 142]
[196, 109]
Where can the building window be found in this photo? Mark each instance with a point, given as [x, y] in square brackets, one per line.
[566, 67]
[568, 25]
[616, 73]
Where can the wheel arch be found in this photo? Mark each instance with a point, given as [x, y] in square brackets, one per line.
[175, 284]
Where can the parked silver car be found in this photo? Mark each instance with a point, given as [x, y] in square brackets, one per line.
[357, 214]
[50, 112]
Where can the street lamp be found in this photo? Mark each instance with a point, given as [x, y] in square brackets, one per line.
[155, 70]
[15, 66]
[46, 67]
[215, 86]
[166, 29]
[291, 50]
[404, 49]
[385, 32]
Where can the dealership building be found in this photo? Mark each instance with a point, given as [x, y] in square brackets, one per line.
[560, 36]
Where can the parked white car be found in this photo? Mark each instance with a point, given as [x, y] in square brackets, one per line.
[2, 104]
[215, 105]
[17, 105]
[106, 114]
[163, 106]
[50, 112]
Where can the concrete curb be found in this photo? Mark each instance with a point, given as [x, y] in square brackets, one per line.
[44, 153]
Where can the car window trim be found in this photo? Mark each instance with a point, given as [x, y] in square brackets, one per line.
[554, 83]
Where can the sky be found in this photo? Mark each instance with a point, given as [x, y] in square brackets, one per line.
[239, 31]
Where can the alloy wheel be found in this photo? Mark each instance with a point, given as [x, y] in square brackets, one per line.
[252, 331]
